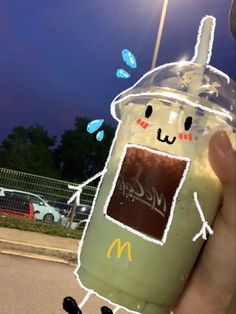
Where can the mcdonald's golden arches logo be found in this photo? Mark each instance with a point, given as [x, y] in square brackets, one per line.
[120, 248]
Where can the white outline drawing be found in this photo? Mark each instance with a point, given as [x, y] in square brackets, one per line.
[78, 188]
[210, 44]
[173, 97]
[205, 226]
[85, 299]
[76, 196]
[116, 309]
[140, 234]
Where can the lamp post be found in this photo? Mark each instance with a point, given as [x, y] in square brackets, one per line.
[159, 33]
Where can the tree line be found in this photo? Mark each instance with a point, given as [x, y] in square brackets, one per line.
[77, 157]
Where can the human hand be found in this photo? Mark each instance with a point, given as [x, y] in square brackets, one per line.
[211, 288]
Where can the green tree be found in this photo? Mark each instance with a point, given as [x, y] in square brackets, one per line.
[80, 155]
[29, 150]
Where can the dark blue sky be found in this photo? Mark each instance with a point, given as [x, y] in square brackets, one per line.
[58, 58]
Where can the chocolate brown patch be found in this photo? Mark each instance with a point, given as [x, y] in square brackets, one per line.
[144, 190]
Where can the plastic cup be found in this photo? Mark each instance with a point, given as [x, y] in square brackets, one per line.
[138, 250]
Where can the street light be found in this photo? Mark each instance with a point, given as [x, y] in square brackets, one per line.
[159, 34]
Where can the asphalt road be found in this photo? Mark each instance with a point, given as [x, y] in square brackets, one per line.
[29, 286]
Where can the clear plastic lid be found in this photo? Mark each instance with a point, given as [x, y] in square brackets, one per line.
[203, 85]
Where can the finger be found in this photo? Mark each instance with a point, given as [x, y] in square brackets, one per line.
[233, 18]
[222, 158]
[232, 306]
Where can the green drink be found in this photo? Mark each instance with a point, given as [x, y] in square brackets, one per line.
[158, 191]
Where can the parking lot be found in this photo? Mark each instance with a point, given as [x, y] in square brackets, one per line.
[43, 199]
[33, 286]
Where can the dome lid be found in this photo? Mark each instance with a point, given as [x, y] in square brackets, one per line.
[202, 86]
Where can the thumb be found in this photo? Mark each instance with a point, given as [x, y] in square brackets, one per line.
[222, 158]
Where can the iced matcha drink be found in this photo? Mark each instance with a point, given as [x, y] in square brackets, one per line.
[151, 280]
[138, 250]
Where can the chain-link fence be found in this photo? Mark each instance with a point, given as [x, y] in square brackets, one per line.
[47, 195]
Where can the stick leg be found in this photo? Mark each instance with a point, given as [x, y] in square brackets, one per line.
[85, 299]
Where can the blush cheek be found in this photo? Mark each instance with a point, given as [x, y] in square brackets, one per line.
[184, 136]
[142, 123]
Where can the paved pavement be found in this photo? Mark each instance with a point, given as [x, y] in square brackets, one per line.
[37, 245]
[39, 287]
[50, 282]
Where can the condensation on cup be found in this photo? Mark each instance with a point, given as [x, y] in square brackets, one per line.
[158, 195]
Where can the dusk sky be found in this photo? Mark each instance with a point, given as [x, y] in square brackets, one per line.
[58, 58]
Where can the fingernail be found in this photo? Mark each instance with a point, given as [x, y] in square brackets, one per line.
[223, 143]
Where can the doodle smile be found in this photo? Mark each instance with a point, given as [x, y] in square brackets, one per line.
[165, 139]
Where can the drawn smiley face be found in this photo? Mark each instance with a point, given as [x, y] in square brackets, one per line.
[165, 138]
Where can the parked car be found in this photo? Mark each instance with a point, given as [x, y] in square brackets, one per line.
[16, 205]
[80, 216]
[61, 205]
[43, 211]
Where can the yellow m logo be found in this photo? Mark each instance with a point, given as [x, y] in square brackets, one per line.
[120, 249]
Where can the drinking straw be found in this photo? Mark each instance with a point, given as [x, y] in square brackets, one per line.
[159, 34]
[202, 56]
[203, 50]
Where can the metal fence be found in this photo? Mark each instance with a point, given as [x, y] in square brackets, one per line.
[55, 192]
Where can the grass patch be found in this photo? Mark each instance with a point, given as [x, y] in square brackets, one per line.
[37, 226]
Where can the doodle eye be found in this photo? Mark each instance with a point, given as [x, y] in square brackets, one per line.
[148, 111]
[188, 123]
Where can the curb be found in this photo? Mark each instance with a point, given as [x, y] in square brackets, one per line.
[37, 251]
[37, 257]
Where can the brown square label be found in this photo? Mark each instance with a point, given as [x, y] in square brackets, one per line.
[145, 190]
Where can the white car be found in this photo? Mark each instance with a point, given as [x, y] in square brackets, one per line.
[43, 211]
[80, 219]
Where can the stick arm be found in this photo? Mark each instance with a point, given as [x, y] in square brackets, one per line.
[78, 188]
[205, 227]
